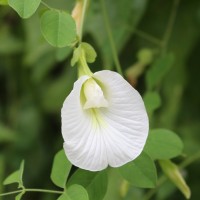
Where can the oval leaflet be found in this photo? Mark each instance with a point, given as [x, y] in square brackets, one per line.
[58, 28]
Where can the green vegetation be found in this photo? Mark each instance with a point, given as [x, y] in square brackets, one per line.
[154, 44]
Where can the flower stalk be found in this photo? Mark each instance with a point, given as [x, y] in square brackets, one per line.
[83, 68]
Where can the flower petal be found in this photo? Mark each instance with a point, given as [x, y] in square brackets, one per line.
[84, 145]
[115, 135]
[126, 117]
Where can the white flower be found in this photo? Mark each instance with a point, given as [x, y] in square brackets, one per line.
[104, 122]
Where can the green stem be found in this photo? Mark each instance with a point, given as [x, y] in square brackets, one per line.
[10, 193]
[110, 36]
[44, 191]
[85, 5]
[83, 68]
[31, 190]
[170, 25]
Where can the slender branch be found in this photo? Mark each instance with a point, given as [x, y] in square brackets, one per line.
[43, 191]
[170, 25]
[32, 190]
[112, 43]
[10, 193]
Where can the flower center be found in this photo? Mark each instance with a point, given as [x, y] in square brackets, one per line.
[94, 95]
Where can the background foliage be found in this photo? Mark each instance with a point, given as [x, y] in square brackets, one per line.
[35, 78]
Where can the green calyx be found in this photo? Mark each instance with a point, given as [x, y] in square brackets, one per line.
[82, 55]
[83, 68]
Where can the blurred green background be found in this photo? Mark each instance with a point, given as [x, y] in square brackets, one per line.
[35, 78]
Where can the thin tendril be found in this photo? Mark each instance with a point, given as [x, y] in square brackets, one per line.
[109, 32]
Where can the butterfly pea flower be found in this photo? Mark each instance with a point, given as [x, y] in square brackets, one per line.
[104, 122]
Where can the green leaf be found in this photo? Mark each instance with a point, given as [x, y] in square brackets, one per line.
[141, 172]
[74, 192]
[3, 2]
[94, 182]
[12, 178]
[90, 53]
[58, 28]
[116, 187]
[77, 192]
[158, 70]
[64, 196]
[172, 172]
[152, 101]
[60, 170]
[163, 144]
[25, 8]
[16, 177]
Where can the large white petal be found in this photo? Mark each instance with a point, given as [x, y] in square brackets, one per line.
[96, 138]
[126, 117]
[84, 145]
